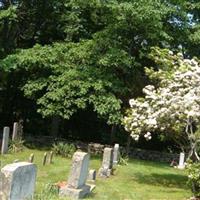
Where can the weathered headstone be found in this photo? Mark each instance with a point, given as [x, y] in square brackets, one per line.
[116, 154]
[181, 161]
[51, 157]
[44, 159]
[107, 164]
[92, 175]
[31, 158]
[5, 140]
[76, 187]
[15, 131]
[17, 181]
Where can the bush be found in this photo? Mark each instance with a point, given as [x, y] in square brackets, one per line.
[193, 170]
[123, 159]
[64, 149]
[16, 146]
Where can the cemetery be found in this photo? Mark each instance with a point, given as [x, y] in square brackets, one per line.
[41, 174]
[99, 99]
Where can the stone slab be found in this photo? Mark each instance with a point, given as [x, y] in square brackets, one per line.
[75, 193]
[79, 170]
[18, 181]
[5, 140]
[116, 154]
[92, 175]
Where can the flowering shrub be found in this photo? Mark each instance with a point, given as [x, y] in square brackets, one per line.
[171, 107]
[194, 177]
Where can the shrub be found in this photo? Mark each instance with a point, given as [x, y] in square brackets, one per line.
[64, 149]
[16, 146]
[193, 170]
[123, 159]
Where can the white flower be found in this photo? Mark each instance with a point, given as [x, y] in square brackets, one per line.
[132, 102]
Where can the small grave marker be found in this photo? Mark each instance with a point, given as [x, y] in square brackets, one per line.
[116, 154]
[15, 131]
[44, 159]
[5, 140]
[92, 175]
[51, 157]
[181, 161]
[31, 158]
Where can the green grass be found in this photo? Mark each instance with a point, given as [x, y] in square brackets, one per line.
[139, 180]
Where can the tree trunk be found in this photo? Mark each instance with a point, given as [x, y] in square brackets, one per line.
[193, 155]
[112, 135]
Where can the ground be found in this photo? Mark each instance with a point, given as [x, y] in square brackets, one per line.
[139, 180]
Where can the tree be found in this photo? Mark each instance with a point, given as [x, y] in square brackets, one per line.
[173, 106]
[80, 48]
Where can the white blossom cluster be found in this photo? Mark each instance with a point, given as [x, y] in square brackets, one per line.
[171, 104]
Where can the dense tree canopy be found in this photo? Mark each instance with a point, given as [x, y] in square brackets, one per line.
[60, 57]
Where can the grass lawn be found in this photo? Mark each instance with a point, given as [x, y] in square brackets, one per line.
[139, 180]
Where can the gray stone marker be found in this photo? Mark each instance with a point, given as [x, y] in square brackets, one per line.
[76, 187]
[15, 131]
[31, 158]
[181, 164]
[44, 159]
[5, 140]
[92, 175]
[18, 181]
[116, 154]
[107, 164]
[51, 157]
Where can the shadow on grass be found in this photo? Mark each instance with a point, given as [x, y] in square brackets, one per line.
[166, 180]
[150, 163]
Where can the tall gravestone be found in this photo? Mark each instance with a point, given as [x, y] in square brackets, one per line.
[18, 181]
[181, 164]
[116, 154]
[107, 164]
[5, 140]
[15, 131]
[76, 187]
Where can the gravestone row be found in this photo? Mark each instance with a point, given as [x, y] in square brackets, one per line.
[17, 180]
[6, 135]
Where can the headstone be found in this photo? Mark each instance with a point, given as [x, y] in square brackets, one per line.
[18, 181]
[76, 187]
[15, 131]
[92, 175]
[31, 158]
[51, 157]
[116, 154]
[5, 140]
[44, 159]
[107, 164]
[181, 161]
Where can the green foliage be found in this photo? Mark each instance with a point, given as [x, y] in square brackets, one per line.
[72, 55]
[193, 170]
[50, 191]
[64, 149]
[123, 160]
[16, 146]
